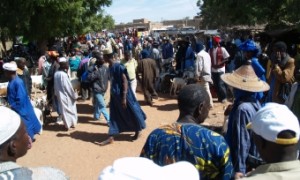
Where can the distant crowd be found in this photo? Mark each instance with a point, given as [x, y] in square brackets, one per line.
[258, 83]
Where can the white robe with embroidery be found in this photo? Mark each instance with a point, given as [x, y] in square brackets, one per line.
[66, 97]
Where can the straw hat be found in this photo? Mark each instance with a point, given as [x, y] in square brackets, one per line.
[244, 78]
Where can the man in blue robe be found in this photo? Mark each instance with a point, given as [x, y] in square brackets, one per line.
[126, 114]
[246, 85]
[19, 101]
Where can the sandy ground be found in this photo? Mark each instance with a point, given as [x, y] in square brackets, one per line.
[77, 152]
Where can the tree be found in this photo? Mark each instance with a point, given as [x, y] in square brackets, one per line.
[44, 19]
[218, 13]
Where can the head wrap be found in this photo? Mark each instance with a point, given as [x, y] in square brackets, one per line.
[217, 39]
[249, 45]
[199, 47]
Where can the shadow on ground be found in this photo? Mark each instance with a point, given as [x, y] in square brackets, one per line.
[95, 138]
[84, 109]
[166, 107]
[143, 103]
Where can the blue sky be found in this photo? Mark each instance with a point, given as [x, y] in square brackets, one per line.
[155, 10]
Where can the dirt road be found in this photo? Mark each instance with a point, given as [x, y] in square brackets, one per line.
[77, 152]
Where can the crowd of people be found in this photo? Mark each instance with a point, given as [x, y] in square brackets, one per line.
[263, 128]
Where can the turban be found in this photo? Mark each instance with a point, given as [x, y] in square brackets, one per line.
[217, 39]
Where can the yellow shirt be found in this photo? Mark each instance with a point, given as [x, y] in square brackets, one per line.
[131, 66]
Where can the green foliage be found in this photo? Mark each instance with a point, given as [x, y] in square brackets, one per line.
[44, 19]
[218, 13]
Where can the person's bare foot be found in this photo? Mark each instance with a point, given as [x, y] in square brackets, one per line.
[110, 140]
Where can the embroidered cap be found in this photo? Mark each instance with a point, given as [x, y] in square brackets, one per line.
[9, 124]
[271, 120]
[133, 168]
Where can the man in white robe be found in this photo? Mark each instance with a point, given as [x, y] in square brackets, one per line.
[66, 95]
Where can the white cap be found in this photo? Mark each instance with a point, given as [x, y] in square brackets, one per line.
[10, 66]
[62, 59]
[138, 168]
[9, 123]
[271, 120]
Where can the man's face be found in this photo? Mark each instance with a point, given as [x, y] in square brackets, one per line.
[22, 141]
[100, 61]
[8, 74]
[247, 54]
[278, 53]
[215, 43]
[126, 56]
[21, 65]
[106, 57]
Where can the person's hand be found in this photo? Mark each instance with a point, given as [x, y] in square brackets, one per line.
[238, 175]
[124, 104]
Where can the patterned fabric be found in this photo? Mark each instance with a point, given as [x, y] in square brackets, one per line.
[202, 147]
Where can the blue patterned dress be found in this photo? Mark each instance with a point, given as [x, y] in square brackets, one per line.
[207, 150]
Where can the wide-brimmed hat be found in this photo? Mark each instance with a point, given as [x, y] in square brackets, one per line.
[249, 45]
[244, 78]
